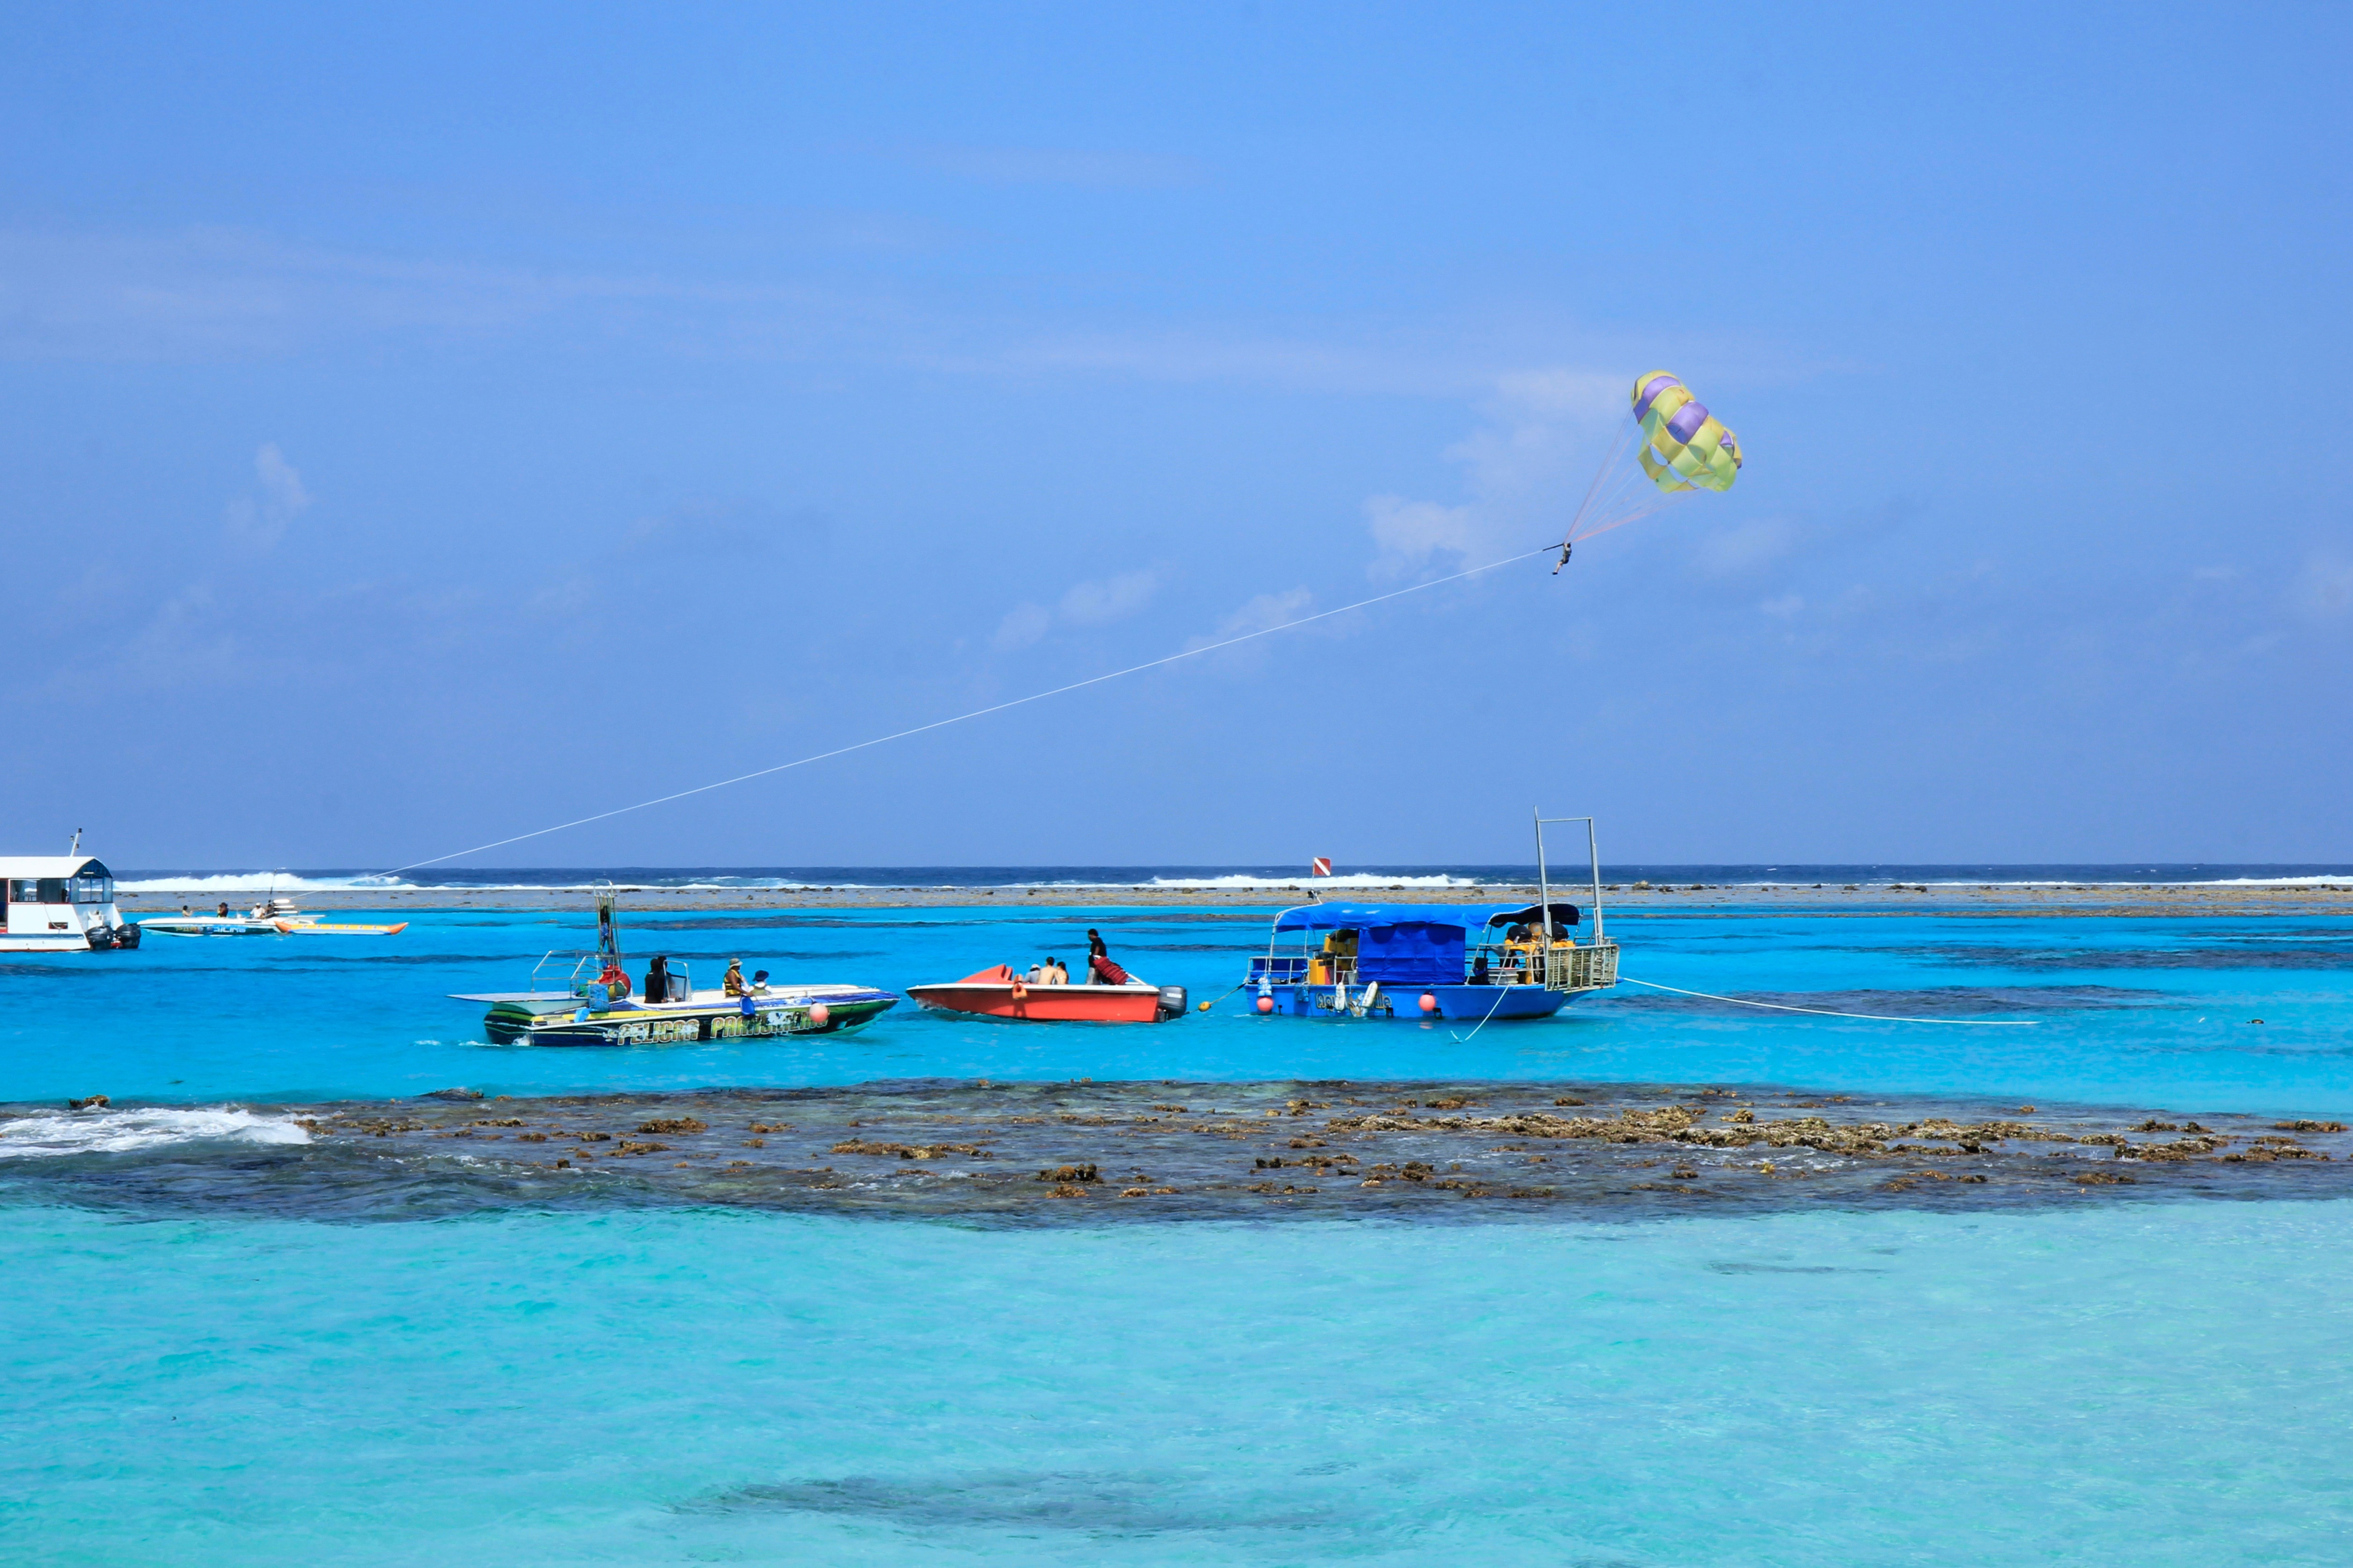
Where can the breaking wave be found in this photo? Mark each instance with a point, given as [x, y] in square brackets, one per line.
[1349, 879]
[219, 882]
[122, 1131]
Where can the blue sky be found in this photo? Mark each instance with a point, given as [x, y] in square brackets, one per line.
[417, 428]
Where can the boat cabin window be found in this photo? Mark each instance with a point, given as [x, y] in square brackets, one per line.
[93, 889]
[40, 890]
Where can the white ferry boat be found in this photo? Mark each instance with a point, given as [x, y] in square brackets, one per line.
[61, 903]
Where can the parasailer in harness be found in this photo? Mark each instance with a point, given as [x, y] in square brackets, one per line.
[1681, 449]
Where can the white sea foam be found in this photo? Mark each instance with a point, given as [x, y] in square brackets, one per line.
[119, 1131]
[1349, 879]
[211, 883]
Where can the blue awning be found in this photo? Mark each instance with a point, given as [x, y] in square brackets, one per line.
[1364, 917]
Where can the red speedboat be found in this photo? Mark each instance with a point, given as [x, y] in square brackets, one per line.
[999, 993]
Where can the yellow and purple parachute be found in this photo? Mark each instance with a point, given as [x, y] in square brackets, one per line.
[1680, 448]
[1683, 446]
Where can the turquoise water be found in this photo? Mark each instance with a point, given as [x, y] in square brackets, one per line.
[2129, 1011]
[2162, 1382]
[2162, 1385]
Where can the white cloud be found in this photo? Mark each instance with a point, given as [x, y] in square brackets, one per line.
[1265, 612]
[1407, 533]
[2327, 588]
[1730, 552]
[1523, 471]
[260, 517]
[1092, 604]
[1022, 625]
[1089, 603]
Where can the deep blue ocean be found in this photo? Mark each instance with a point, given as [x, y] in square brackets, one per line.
[195, 1380]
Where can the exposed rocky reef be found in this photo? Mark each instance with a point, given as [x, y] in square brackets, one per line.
[1049, 1153]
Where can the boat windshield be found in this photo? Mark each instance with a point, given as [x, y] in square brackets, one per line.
[89, 889]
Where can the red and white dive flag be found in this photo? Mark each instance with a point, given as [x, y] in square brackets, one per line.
[1320, 867]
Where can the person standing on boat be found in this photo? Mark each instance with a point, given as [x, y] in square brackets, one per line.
[1101, 970]
[657, 979]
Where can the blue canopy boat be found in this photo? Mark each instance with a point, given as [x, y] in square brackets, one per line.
[1471, 962]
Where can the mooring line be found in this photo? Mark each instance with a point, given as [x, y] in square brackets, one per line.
[1830, 1013]
[976, 713]
[1501, 991]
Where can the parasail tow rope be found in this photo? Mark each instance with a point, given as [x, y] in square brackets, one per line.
[977, 712]
[1829, 1013]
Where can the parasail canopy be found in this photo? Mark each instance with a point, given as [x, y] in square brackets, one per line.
[1679, 448]
[1683, 446]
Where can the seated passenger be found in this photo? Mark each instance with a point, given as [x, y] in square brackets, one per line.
[657, 979]
[734, 984]
[1055, 973]
[1037, 975]
[759, 980]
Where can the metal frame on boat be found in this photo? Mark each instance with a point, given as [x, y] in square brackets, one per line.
[580, 1011]
[1372, 953]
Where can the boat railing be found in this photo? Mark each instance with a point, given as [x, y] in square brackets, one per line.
[1590, 967]
[564, 970]
[1318, 969]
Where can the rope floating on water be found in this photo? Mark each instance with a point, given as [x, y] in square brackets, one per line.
[1830, 1013]
[1501, 993]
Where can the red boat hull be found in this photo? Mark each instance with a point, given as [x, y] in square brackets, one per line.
[1045, 1003]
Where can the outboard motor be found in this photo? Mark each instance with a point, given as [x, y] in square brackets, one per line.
[100, 938]
[128, 934]
[1171, 1004]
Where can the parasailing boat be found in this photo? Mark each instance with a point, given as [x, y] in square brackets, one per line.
[581, 1008]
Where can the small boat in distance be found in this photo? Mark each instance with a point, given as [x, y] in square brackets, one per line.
[582, 1010]
[60, 903]
[998, 993]
[273, 916]
[1468, 962]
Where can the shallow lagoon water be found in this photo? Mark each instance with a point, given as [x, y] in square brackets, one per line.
[2165, 1385]
[2163, 1380]
[2136, 1012]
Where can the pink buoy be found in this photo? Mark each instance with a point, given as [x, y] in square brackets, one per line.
[1266, 1004]
[820, 1014]
[1429, 1002]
